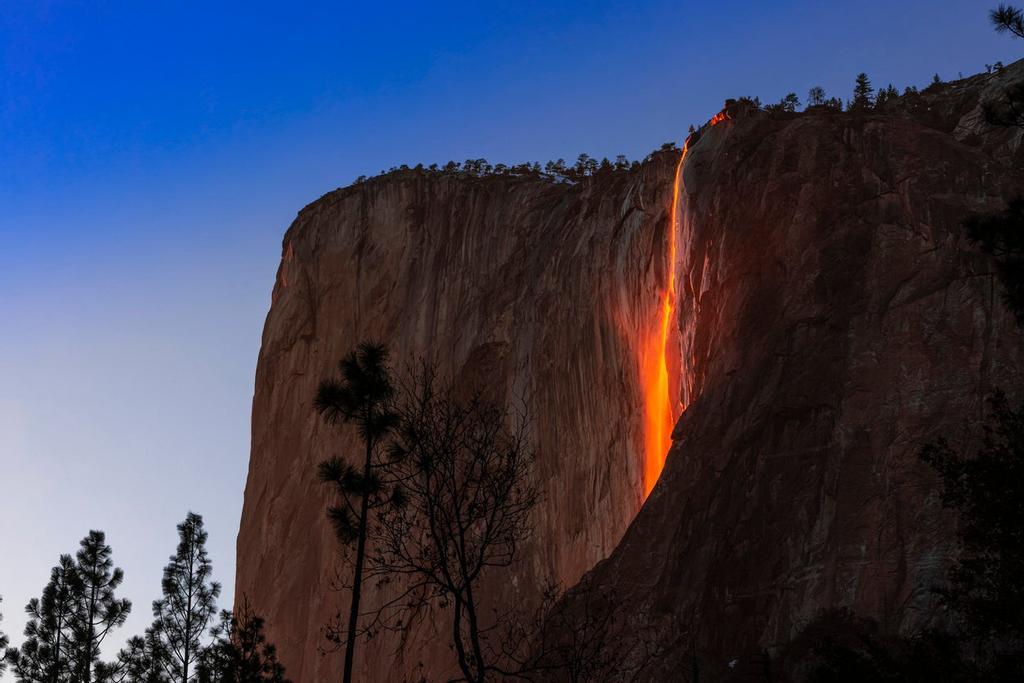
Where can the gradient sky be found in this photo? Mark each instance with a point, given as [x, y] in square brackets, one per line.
[152, 155]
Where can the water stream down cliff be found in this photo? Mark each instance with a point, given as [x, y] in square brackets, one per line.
[660, 391]
[799, 282]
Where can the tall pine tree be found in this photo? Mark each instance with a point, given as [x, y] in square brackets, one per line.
[189, 601]
[48, 654]
[98, 610]
[362, 397]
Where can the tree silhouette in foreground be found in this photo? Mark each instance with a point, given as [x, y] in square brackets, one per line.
[986, 489]
[240, 652]
[3, 644]
[466, 499]
[99, 610]
[361, 396]
[48, 654]
[1008, 19]
[182, 615]
[1002, 236]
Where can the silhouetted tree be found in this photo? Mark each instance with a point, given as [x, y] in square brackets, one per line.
[986, 489]
[49, 653]
[466, 495]
[816, 96]
[361, 396]
[3, 644]
[863, 94]
[240, 652]
[98, 610]
[189, 600]
[144, 659]
[789, 103]
[1002, 235]
[1008, 109]
[886, 95]
[1008, 19]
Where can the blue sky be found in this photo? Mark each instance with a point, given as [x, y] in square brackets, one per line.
[152, 155]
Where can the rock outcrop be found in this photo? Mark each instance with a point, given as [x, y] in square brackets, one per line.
[831, 318]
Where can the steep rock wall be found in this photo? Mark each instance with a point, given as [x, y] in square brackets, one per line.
[541, 290]
[834, 319]
[831, 319]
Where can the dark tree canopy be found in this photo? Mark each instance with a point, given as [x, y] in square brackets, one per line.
[986, 488]
[1002, 236]
[1008, 19]
[144, 659]
[240, 652]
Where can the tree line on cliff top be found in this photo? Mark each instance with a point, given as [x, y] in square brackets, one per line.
[79, 608]
[864, 98]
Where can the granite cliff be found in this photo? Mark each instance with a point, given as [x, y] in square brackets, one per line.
[827, 317]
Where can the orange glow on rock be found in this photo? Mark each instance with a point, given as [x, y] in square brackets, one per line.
[660, 411]
[718, 118]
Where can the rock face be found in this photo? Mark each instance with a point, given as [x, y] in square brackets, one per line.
[831, 317]
[834, 319]
[542, 291]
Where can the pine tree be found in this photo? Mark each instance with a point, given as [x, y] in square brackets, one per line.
[143, 660]
[863, 94]
[240, 652]
[48, 654]
[1008, 19]
[98, 611]
[189, 601]
[362, 397]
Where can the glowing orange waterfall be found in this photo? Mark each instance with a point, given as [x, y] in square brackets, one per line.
[660, 409]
